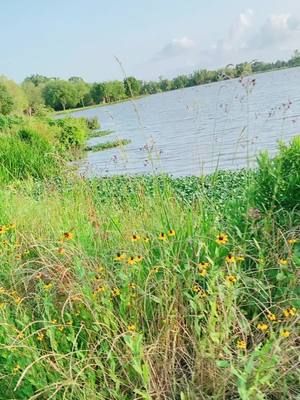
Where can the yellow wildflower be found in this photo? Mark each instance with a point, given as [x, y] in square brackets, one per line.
[100, 289]
[119, 257]
[262, 327]
[222, 238]
[131, 260]
[171, 232]
[132, 286]
[16, 368]
[146, 239]
[135, 238]
[198, 289]
[230, 259]
[271, 317]
[285, 333]
[18, 300]
[138, 259]
[155, 270]
[48, 286]
[231, 278]
[115, 292]
[2, 229]
[54, 321]
[241, 344]
[40, 336]
[162, 236]
[240, 258]
[12, 226]
[68, 235]
[131, 328]
[202, 272]
[292, 241]
[203, 264]
[283, 261]
[289, 312]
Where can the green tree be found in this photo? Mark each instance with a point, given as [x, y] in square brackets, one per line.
[6, 100]
[98, 92]
[132, 86]
[180, 82]
[60, 95]
[20, 103]
[37, 79]
[114, 91]
[34, 96]
[82, 89]
[165, 84]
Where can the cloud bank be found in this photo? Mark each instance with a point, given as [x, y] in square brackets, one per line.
[175, 48]
[277, 37]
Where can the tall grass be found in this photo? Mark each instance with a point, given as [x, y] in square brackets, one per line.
[148, 288]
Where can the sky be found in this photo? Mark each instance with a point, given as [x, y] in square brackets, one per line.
[150, 38]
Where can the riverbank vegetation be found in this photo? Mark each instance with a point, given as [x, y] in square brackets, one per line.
[108, 145]
[144, 287]
[38, 93]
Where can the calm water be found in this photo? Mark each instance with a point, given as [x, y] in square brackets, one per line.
[196, 130]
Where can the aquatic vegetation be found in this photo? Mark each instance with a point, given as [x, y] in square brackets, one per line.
[108, 145]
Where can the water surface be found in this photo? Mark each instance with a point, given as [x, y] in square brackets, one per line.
[196, 130]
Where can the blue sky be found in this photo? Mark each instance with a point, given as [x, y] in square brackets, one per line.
[150, 37]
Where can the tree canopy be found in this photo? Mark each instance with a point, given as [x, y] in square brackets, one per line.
[39, 91]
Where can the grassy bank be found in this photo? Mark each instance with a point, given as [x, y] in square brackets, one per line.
[72, 110]
[151, 287]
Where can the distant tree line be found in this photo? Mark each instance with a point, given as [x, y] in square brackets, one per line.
[39, 92]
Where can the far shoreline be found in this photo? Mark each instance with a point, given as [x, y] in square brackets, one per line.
[77, 109]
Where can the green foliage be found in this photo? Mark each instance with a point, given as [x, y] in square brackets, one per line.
[278, 178]
[79, 322]
[108, 145]
[20, 103]
[6, 100]
[132, 86]
[73, 132]
[37, 79]
[60, 95]
[26, 155]
[34, 96]
[75, 92]
[7, 122]
[93, 123]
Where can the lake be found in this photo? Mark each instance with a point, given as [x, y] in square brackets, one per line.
[195, 130]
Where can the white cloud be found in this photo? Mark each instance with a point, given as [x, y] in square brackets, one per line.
[237, 35]
[276, 30]
[175, 48]
[276, 38]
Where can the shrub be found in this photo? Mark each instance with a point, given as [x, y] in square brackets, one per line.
[9, 121]
[26, 155]
[6, 100]
[73, 132]
[93, 123]
[278, 178]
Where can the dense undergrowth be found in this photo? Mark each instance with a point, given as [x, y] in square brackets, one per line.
[146, 287]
